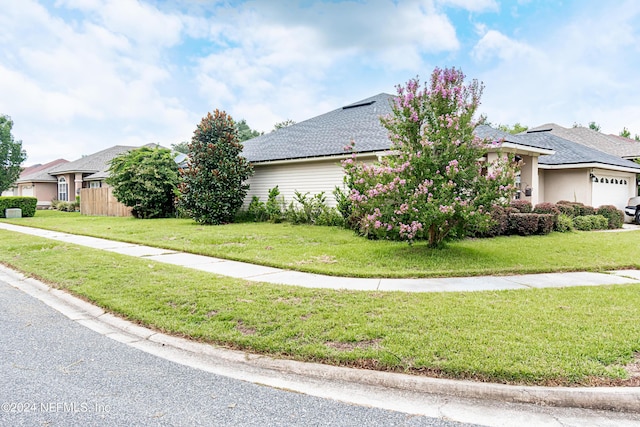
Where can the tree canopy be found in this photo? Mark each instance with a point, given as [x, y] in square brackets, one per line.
[213, 187]
[284, 124]
[146, 179]
[515, 129]
[438, 183]
[11, 155]
[245, 132]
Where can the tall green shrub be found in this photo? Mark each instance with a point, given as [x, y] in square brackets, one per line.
[146, 179]
[213, 186]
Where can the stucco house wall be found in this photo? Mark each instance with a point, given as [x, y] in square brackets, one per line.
[567, 184]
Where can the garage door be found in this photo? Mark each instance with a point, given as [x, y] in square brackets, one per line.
[611, 190]
[27, 191]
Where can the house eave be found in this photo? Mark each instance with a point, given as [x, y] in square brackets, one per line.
[589, 165]
[525, 149]
[317, 158]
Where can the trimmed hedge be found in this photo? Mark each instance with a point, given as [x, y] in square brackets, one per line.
[590, 222]
[546, 208]
[614, 215]
[26, 204]
[526, 224]
[523, 206]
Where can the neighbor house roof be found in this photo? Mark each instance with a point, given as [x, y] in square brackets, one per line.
[40, 173]
[328, 134]
[611, 144]
[92, 163]
[571, 154]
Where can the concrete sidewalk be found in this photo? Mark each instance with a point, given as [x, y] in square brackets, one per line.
[412, 394]
[258, 273]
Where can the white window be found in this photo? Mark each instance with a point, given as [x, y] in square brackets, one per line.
[63, 189]
[95, 184]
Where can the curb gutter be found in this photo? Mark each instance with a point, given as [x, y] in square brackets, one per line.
[223, 361]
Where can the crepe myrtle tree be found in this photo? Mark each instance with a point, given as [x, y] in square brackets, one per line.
[213, 186]
[436, 183]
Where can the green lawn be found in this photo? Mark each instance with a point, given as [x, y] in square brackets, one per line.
[336, 251]
[571, 336]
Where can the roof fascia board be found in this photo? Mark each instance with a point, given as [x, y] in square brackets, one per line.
[317, 158]
[589, 165]
[524, 148]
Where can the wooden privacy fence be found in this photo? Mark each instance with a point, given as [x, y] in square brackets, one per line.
[100, 201]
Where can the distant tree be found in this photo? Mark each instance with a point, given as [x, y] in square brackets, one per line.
[11, 155]
[515, 129]
[213, 186]
[592, 126]
[181, 147]
[146, 179]
[284, 124]
[245, 132]
[625, 133]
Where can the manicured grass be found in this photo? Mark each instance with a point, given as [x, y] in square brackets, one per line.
[565, 336]
[336, 251]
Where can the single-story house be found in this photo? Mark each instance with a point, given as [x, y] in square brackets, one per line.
[306, 157]
[35, 181]
[63, 180]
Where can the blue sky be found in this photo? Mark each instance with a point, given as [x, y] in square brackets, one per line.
[78, 76]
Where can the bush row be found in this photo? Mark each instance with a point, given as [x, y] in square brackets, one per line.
[64, 206]
[304, 209]
[26, 204]
[524, 219]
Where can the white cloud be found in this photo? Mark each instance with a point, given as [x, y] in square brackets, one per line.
[75, 87]
[472, 5]
[576, 72]
[276, 56]
[495, 44]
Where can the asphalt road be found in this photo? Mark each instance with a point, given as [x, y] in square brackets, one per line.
[55, 372]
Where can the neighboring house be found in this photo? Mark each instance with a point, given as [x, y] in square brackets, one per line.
[306, 157]
[63, 180]
[87, 172]
[611, 144]
[35, 181]
[580, 173]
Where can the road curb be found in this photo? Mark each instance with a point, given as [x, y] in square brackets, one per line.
[621, 399]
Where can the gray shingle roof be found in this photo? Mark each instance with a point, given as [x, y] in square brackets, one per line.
[487, 132]
[327, 134]
[96, 162]
[611, 144]
[40, 173]
[571, 153]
